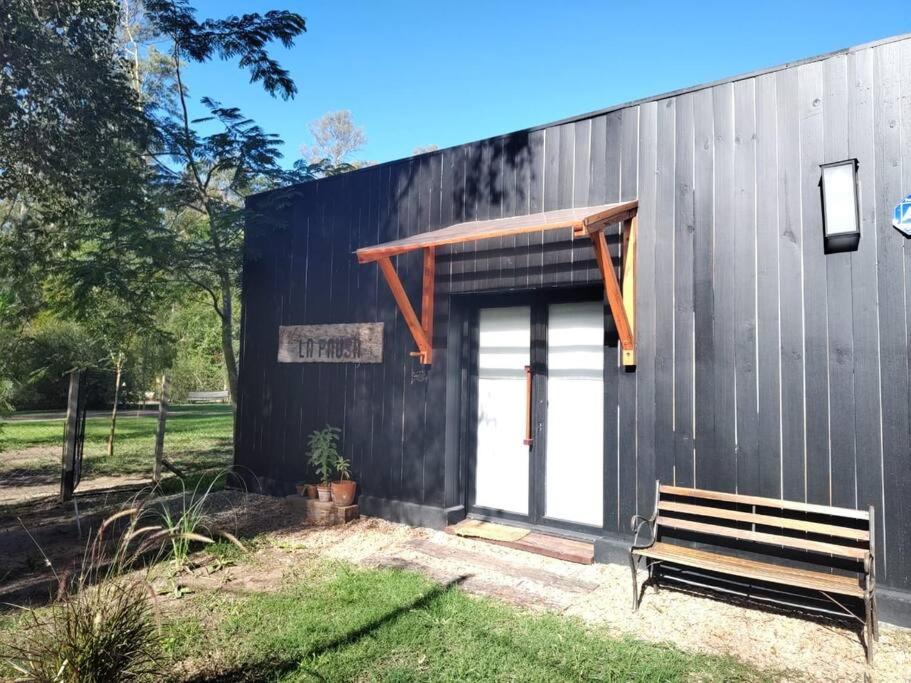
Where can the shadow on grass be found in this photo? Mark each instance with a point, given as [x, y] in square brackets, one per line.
[273, 670]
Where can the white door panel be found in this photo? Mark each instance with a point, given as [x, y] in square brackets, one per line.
[575, 413]
[501, 467]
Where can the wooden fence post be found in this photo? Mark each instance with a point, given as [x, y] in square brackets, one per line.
[71, 436]
[159, 432]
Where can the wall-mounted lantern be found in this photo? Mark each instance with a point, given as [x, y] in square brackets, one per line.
[841, 220]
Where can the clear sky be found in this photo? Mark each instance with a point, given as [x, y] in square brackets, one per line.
[446, 72]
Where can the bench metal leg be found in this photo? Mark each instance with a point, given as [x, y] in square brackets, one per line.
[652, 580]
[868, 630]
[632, 567]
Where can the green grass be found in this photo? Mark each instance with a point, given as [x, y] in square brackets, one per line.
[197, 440]
[344, 624]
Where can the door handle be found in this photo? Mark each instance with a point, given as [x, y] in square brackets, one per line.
[528, 382]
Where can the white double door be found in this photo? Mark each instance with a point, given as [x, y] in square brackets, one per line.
[540, 372]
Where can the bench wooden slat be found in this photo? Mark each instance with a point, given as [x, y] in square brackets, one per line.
[765, 502]
[760, 537]
[766, 520]
[751, 569]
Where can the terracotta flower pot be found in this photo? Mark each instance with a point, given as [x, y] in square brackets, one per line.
[324, 493]
[302, 489]
[343, 492]
[310, 491]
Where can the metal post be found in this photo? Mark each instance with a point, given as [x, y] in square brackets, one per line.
[159, 432]
[71, 437]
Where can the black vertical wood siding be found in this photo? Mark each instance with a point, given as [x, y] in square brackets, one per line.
[765, 365]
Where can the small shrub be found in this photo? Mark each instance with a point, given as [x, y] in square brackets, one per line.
[322, 450]
[190, 523]
[343, 468]
[102, 633]
[102, 627]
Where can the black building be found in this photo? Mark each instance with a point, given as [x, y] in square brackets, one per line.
[767, 359]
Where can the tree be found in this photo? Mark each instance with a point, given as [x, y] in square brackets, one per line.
[202, 180]
[336, 138]
[105, 184]
[65, 101]
[423, 149]
[120, 323]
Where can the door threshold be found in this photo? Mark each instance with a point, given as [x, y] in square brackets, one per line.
[546, 543]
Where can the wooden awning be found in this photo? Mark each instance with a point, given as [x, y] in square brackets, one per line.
[580, 220]
[590, 221]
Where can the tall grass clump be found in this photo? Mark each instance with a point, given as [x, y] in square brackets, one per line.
[105, 633]
[189, 522]
[103, 625]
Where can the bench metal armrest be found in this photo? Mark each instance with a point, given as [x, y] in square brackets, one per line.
[870, 570]
[636, 524]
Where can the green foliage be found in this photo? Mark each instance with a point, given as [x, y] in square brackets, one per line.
[102, 628]
[105, 633]
[66, 102]
[202, 179]
[109, 197]
[244, 38]
[190, 522]
[37, 365]
[198, 359]
[343, 468]
[346, 624]
[322, 451]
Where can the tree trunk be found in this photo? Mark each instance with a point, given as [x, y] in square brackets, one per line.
[227, 337]
[118, 365]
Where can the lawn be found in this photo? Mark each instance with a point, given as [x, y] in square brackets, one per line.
[198, 439]
[341, 623]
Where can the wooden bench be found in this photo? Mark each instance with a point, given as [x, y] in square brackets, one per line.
[817, 548]
[207, 396]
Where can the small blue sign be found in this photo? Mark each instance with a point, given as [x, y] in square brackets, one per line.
[901, 219]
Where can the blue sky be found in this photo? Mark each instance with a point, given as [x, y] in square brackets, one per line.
[444, 73]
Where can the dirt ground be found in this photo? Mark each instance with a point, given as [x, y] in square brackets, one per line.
[19, 483]
[599, 594]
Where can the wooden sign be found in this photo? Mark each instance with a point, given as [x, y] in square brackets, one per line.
[344, 343]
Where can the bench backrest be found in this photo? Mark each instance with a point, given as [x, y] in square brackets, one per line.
[207, 395]
[820, 531]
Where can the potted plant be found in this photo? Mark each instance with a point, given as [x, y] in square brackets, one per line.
[343, 490]
[306, 490]
[323, 453]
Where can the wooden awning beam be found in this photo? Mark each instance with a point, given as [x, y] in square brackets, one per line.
[619, 214]
[590, 221]
[579, 219]
[421, 330]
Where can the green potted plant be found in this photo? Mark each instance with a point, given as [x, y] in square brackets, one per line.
[344, 488]
[322, 451]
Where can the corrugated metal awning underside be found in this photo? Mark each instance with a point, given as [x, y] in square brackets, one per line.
[589, 220]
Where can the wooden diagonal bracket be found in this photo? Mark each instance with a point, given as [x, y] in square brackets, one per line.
[622, 302]
[421, 330]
